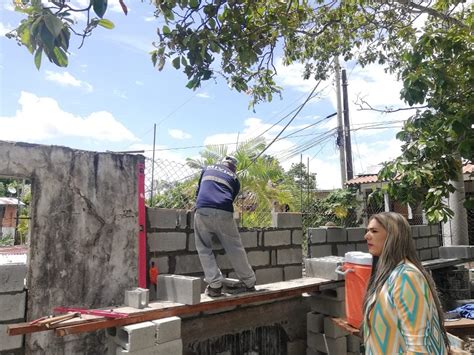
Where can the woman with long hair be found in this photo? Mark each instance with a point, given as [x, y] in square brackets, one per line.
[402, 311]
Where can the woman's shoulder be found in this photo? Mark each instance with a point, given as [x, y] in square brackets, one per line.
[406, 270]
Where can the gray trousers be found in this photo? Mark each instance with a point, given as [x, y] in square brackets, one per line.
[209, 223]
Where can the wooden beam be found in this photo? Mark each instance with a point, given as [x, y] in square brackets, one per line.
[268, 292]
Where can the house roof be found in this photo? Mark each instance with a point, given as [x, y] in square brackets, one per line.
[371, 178]
[10, 201]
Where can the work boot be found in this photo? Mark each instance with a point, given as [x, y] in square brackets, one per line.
[213, 292]
[239, 288]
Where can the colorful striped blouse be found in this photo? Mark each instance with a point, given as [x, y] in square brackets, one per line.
[404, 319]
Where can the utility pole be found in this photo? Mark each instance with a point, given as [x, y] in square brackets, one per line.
[153, 165]
[347, 129]
[340, 129]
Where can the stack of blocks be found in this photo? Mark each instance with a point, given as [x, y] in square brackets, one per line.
[12, 303]
[158, 337]
[323, 335]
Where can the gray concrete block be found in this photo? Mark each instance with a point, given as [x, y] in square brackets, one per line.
[435, 253]
[135, 337]
[162, 263]
[249, 239]
[180, 289]
[266, 276]
[355, 234]
[12, 306]
[259, 258]
[425, 231]
[287, 219]
[336, 234]
[324, 267]
[422, 243]
[424, 254]
[362, 247]
[336, 294]
[166, 241]
[434, 229]
[174, 347]
[332, 330]
[315, 322]
[187, 264]
[111, 345]
[353, 343]
[456, 251]
[342, 249]
[328, 307]
[137, 298]
[167, 329]
[316, 342]
[8, 342]
[297, 237]
[318, 235]
[433, 242]
[147, 351]
[292, 272]
[415, 231]
[296, 347]
[12, 277]
[167, 218]
[321, 250]
[289, 256]
[276, 238]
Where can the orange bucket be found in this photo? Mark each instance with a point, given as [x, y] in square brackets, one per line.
[357, 269]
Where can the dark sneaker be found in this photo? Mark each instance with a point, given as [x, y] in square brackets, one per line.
[240, 289]
[213, 292]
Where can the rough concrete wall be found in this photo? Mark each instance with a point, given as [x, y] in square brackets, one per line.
[83, 244]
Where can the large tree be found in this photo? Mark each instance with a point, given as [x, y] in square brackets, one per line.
[240, 40]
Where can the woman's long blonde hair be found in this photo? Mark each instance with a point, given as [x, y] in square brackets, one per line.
[398, 246]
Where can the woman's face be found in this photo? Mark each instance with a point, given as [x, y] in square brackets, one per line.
[375, 237]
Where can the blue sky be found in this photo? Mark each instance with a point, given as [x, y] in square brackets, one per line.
[109, 97]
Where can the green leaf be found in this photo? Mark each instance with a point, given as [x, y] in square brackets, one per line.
[99, 6]
[106, 24]
[38, 54]
[60, 56]
[53, 24]
[166, 30]
[176, 62]
[193, 4]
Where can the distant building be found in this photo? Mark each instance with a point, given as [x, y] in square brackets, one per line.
[8, 207]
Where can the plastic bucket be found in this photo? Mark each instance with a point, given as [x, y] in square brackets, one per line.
[357, 268]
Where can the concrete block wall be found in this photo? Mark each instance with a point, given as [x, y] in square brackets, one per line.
[12, 302]
[274, 253]
[325, 241]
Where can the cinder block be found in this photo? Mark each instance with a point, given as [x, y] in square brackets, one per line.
[287, 219]
[336, 234]
[187, 264]
[425, 231]
[456, 251]
[355, 234]
[297, 237]
[362, 247]
[425, 254]
[180, 289]
[162, 263]
[147, 351]
[167, 218]
[276, 238]
[249, 239]
[336, 294]
[353, 343]
[422, 243]
[270, 275]
[12, 277]
[8, 342]
[166, 241]
[435, 253]
[434, 229]
[111, 345]
[328, 307]
[296, 347]
[167, 329]
[315, 322]
[310, 351]
[137, 298]
[12, 305]
[289, 256]
[293, 272]
[321, 250]
[324, 267]
[317, 235]
[332, 330]
[335, 345]
[259, 258]
[433, 242]
[136, 336]
[415, 231]
[171, 347]
[342, 249]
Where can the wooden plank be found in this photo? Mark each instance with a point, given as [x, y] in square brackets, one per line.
[342, 323]
[163, 309]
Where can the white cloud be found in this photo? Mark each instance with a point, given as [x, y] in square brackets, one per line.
[178, 134]
[66, 79]
[149, 18]
[203, 95]
[9, 6]
[41, 118]
[4, 29]
[120, 93]
[139, 83]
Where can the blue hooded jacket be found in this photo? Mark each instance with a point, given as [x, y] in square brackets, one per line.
[217, 188]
